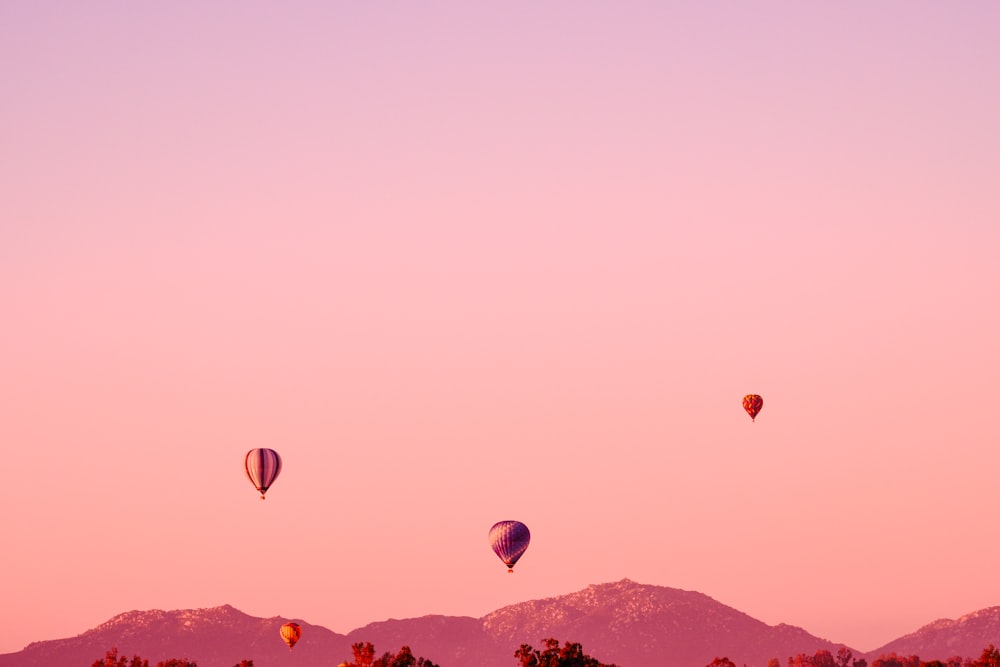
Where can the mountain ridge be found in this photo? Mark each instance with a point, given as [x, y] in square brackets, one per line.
[946, 637]
[624, 622]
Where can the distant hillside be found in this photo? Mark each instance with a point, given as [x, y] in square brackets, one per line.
[630, 624]
[636, 625]
[944, 638]
[216, 637]
[450, 641]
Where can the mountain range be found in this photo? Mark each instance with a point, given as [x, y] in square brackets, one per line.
[626, 623]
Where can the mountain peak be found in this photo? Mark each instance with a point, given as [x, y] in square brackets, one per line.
[639, 624]
[187, 617]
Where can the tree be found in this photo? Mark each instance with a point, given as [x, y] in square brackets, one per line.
[801, 660]
[823, 658]
[989, 658]
[245, 663]
[570, 655]
[722, 662]
[364, 656]
[888, 660]
[844, 656]
[773, 662]
[112, 659]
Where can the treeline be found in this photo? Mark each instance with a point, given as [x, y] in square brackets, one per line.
[552, 655]
[844, 658]
[112, 659]
[571, 654]
[989, 658]
[364, 656]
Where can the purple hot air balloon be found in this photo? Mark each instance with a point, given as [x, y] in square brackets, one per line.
[262, 467]
[509, 540]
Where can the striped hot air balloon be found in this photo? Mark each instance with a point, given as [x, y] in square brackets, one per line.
[262, 467]
[291, 632]
[509, 540]
[752, 403]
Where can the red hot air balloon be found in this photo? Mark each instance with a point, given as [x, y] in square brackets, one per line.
[262, 467]
[509, 540]
[752, 403]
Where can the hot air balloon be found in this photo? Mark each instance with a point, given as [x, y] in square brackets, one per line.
[752, 403]
[509, 540]
[262, 466]
[291, 632]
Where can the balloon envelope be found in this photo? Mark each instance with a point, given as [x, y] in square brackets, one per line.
[509, 540]
[291, 632]
[262, 467]
[752, 403]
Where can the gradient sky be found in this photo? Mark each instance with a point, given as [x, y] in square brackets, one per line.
[463, 262]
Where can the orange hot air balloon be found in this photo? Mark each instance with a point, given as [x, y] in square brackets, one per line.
[752, 403]
[291, 632]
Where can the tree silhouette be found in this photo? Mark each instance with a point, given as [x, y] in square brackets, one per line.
[570, 655]
[823, 658]
[989, 658]
[112, 659]
[722, 662]
[364, 656]
[801, 660]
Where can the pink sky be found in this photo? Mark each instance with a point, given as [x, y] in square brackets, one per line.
[462, 264]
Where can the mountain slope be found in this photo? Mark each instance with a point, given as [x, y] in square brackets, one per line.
[630, 624]
[965, 637]
[634, 625]
[220, 636]
[450, 641]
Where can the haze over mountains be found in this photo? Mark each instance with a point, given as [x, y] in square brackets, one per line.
[630, 624]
